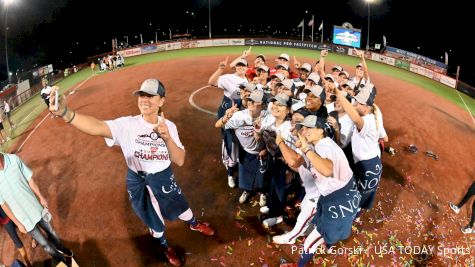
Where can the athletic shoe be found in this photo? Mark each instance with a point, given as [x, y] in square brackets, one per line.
[272, 221]
[243, 197]
[264, 210]
[231, 182]
[467, 230]
[172, 257]
[204, 228]
[283, 239]
[262, 200]
[454, 207]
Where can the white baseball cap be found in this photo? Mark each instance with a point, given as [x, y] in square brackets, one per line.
[242, 61]
[314, 77]
[288, 83]
[278, 75]
[284, 56]
[306, 67]
[256, 96]
[263, 67]
[248, 87]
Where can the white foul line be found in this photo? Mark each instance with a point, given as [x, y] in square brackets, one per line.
[190, 99]
[46, 116]
[468, 110]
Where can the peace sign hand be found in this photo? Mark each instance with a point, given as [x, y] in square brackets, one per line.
[162, 129]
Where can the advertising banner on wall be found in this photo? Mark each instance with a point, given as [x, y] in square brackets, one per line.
[341, 49]
[173, 46]
[288, 43]
[451, 82]
[415, 59]
[220, 42]
[149, 49]
[402, 64]
[130, 52]
[189, 44]
[236, 41]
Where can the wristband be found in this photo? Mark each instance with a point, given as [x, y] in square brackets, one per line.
[307, 150]
[72, 118]
[64, 112]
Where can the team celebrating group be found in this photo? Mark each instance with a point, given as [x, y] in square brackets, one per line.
[308, 139]
[305, 138]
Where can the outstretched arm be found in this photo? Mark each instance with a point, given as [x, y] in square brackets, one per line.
[84, 123]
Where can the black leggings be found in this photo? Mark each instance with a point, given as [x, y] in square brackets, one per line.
[46, 237]
[470, 193]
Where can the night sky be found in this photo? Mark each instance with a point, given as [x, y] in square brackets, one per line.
[67, 32]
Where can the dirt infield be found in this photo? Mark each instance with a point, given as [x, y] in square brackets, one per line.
[84, 180]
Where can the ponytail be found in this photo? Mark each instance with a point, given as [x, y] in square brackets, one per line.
[375, 110]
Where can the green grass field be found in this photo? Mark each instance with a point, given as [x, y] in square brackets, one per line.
[29, 111]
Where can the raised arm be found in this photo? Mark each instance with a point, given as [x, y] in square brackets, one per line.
[321, 69]
[229, 113]
[84, 123]
[244, 55]
[323, 166]
[213, 80]
[349, 109]
[293, 159]
[360, 53]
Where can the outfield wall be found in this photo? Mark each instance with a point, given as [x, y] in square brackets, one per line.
[385, 59]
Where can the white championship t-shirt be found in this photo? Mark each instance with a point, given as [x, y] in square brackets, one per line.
[346, 130]
[308, 182]
[328, 149]
[330, 107]
[230, 84]
[143, 148]
[364, 143]
[241, 122]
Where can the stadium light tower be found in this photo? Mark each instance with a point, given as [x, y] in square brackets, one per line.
[6, 3]
[369, 15]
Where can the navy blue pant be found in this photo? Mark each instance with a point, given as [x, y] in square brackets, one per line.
[368, 174]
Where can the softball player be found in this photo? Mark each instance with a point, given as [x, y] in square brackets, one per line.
[244, 123]
[230, 84]
[339, 201]
[150, 143]
[364, 143]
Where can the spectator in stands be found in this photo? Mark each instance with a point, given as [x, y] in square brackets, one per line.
[6, 110]
[45, 91]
